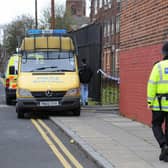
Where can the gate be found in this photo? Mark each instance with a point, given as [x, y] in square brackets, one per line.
[88, 40]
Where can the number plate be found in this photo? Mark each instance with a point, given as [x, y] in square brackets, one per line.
[49, 103]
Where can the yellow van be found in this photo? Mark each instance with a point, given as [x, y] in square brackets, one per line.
[10, 79]
[48, 74]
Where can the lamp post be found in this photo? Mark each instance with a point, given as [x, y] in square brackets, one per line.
[52, 14]
[36, 20]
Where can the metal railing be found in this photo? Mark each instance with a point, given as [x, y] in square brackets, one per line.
[109, 88]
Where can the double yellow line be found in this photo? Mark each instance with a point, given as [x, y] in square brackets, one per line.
[43, 128]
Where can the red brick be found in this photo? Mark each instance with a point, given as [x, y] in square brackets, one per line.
[143, 27]
[136, 65]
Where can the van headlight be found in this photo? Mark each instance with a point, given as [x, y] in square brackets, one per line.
[73, 92]
[24, 92]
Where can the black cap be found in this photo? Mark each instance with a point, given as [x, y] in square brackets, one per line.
[165, 49]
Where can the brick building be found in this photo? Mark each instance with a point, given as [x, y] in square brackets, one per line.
[107, 12]
[77, 7]
[144, 25]
[78, 11]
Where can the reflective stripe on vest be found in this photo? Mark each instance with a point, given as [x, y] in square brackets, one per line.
[160, 72]
[152, 82]
[161, 81]
[157, 107]
[150, 98]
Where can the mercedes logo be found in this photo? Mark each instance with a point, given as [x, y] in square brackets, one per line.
[48, 93]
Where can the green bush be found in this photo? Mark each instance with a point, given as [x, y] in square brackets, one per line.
[110, 95]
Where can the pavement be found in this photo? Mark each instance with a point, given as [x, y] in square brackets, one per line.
[112, 140]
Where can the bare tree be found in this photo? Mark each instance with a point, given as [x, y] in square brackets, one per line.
[64, 18]
[15, 31]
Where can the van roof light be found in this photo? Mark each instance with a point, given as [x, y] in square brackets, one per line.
[34, 32]
[46, 32]
[59, 31]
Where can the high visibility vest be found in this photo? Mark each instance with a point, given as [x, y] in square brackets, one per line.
[10, 80]
[158, 85]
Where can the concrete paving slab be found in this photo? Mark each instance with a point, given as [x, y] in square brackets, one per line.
[112, 140]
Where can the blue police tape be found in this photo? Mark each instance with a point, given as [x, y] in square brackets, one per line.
[108, 76]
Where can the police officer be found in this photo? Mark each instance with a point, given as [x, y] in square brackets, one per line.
[157, 97]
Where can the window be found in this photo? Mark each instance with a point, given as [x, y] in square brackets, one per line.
[105, 29]
[48, 61]
[95, 7]
[112, 25]
[117, 60]
[110, 3]
[108, 64]
[100, 3]
[119, 5]
[117, 23]
[105, 4]
[73, 10]
[108, 28]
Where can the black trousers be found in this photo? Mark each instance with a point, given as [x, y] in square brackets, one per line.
[161, 135]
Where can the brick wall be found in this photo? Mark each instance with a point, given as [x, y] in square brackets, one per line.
[143, 28]
[143, 22]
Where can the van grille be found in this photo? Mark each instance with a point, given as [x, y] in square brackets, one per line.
[59, 94]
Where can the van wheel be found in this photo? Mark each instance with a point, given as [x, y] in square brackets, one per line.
[8, 100]
[76, 112]
[19, 111]
[20, 114]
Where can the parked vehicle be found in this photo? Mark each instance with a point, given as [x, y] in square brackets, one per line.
[48, 73]
[10, 79]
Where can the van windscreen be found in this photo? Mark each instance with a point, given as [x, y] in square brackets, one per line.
[48, 61]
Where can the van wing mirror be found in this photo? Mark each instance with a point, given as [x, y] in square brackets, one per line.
[12, 70]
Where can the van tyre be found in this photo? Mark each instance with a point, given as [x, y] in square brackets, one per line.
[8, 101]
[19, 111]
[76, 112]
[20, 114]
